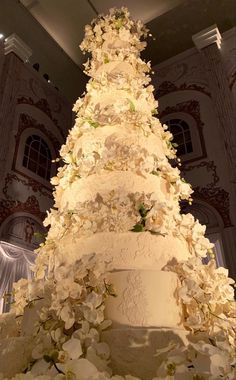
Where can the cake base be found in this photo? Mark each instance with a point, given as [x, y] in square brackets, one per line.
[133, 350]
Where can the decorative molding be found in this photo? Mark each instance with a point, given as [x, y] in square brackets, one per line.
[209, 165]
[42, 105]
[31, 206]
[14, 44]
[207, 37]
[34, 185]
[26, 121]
[217, 198]
[167, 87]
[192, 108]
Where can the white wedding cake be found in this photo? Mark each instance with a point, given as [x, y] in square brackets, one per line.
[120, 289]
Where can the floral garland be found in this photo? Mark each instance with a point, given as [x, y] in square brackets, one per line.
[119, 24]
[63, 316]
[207, 294]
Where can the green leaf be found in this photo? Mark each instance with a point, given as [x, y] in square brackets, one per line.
[47, 358]
[142, 211]
[54, 355]
[175, 145]
[137, 228]
[106, 59]
[155, 172]
[119, 23]
[94, 124]
[154, 111]
[131, 106]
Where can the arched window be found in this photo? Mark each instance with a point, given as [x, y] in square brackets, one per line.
[37, 157]
[182, 136]
[209, 217]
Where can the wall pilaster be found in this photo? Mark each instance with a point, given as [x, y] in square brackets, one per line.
[208, 42]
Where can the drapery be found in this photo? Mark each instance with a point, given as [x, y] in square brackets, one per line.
[15, 263]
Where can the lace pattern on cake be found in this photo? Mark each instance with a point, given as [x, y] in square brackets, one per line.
[134, 305]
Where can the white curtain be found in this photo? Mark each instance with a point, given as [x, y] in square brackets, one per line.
[15, 263]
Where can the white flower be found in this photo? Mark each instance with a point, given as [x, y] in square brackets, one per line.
[73, 348]
[95, 316]
[124, 34]
[56, 334]
[68, 316]
[93, 300]
[82, 369]
[68, 288]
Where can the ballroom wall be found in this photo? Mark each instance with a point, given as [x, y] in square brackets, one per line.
[29, 106]
[198, 86]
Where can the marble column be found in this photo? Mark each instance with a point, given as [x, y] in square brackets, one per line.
[15, 51]
[208, 42]
[14, 44]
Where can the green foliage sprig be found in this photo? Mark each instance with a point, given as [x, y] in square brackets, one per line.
[140, 227]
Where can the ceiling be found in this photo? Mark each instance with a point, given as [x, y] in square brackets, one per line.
[64, 20]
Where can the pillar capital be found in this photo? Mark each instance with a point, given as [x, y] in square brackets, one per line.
[207, 37]
[14, 44]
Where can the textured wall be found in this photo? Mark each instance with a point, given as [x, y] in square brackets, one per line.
[186, 90]
[28, 105]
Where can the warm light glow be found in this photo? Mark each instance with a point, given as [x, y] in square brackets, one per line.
[1, 36]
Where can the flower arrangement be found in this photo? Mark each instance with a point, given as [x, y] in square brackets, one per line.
[61, 319]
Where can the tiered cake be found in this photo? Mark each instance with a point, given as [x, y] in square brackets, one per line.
[117, 197]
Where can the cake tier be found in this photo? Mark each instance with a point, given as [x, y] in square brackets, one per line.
[119, 100]
[127, 250]
[115, 201]
[114, 69]
[114, 43]
[113, 185]
[133, 350]
[117, 148]
[144, 299]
